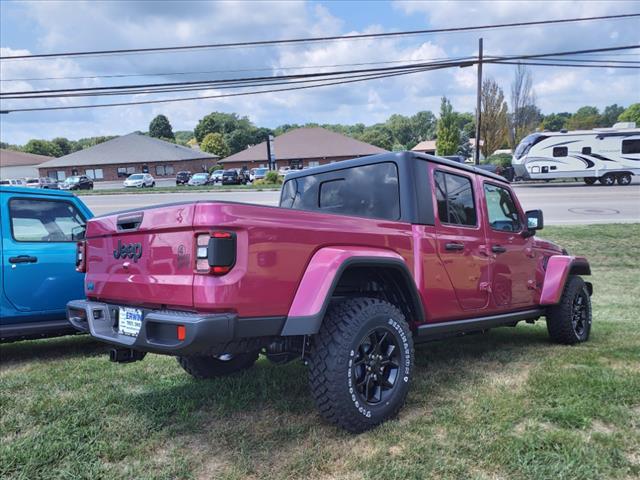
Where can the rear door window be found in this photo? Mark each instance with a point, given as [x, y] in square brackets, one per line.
[454, 194]
[366, 191]
[35, 220]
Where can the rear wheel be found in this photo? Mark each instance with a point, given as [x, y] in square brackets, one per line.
[205, 367]
[569, 321]
[624, 179]
[590, 180]
[608, 179]
[360, 363]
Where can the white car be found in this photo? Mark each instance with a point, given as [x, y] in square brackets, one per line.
[216, 176]
[12, 182]
[139, 180]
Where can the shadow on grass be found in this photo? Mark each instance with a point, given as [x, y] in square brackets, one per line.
[51, 348]
[282, 391]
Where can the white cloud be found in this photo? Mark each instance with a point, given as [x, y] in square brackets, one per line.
[63, 26]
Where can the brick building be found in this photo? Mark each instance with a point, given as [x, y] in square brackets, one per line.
[134, 153]
[303, 147]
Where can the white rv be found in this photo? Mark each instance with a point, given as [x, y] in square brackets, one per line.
[606, 155]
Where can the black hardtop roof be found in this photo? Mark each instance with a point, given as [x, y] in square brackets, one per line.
[406, 156]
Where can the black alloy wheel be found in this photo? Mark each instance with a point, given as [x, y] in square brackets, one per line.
[376, 366]
[580, 313]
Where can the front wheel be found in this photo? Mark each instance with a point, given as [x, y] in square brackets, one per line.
[361, 363]
[590, 180]
[624, 179]
[569, 321]
[205, 367]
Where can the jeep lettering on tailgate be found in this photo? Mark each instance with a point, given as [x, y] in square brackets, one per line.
[128, 250]
[363, 259]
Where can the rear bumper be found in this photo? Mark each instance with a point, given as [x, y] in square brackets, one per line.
[158, 332]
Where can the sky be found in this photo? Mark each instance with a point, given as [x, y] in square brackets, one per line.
[52, 26]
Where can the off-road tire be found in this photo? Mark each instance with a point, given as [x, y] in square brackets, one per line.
[334, 355]
[206, 367]
[559, 317]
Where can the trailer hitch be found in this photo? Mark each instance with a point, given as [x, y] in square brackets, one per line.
[125, 355]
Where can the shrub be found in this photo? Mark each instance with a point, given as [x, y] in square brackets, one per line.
[500, 160]
[272, 177]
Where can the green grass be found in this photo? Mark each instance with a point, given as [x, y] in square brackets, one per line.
[507, 404]
[181, 189]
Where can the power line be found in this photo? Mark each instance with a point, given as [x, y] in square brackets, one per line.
[314, 39]
[460, 61]
[587, 65]
[204, 97]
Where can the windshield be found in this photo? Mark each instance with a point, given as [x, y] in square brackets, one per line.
[32, 180]
[136, 176]
[526, 143]
[260, 171]
[230, 172]
[218, 172]
[200, 175]
[72, 180]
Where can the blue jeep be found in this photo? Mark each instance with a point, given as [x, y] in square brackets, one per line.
[38, 234]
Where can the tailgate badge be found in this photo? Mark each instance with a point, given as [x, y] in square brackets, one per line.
[179, 216]
[128, 250]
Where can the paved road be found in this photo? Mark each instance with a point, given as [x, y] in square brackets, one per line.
[562, 203]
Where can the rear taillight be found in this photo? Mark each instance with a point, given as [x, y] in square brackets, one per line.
[81, 256]
[215, 252]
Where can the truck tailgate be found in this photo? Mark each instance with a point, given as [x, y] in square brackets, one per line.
[142, 257]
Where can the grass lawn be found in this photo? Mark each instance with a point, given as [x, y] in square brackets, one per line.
[504, 405]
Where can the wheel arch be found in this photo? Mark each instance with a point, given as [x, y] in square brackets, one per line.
[322, 282]
[559, 268]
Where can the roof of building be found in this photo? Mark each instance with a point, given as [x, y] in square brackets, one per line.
[302, 143]
[425, 146]
[131, 148]
[11, 158]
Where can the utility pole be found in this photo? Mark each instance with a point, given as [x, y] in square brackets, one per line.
[476, 153]
[270, 154]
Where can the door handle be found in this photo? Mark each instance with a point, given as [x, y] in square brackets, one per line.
[453, 246]
[498, 249]
[23, 259]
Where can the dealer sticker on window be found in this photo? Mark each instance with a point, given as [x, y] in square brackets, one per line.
[129, 321]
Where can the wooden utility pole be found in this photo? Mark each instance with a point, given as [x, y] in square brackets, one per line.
[476, 153]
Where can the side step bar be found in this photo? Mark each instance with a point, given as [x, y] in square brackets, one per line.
[444, 329]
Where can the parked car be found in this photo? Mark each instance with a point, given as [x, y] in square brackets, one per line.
[43, 182]
[77, 182]
[199, 179]
[258, 173]
[12, 182]
[282, 171]
[140, 180]
[364, 258]
[39, 230]
[216, 176]
[233, 177]
[182, 178]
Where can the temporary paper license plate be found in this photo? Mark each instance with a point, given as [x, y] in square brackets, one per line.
[129, 321]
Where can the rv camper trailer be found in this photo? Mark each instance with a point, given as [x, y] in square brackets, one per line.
[607, 155]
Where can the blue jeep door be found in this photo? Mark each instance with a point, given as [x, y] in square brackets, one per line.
[38, 255]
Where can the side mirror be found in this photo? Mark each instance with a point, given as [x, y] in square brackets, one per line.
[535, 221]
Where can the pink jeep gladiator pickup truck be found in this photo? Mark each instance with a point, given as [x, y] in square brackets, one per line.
[362, 259]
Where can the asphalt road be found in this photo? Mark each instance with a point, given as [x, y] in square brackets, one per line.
[562, 203]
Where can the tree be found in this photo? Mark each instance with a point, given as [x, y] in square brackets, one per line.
[494, 124]
[214, 143]
[585, 118]
[42, 147]
[610, 115]
[183, 136]
[555, 122]
[525, 116]
[161, 128]
[631, 114]
[378, 135]
[424, 126]
[65, 146]
[448, 133]
[219, 122]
